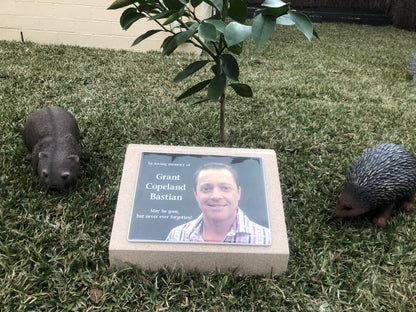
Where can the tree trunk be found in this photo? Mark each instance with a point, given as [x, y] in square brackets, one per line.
[404, 14]
[222, 119]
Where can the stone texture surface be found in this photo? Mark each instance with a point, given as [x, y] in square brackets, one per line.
[249, 259]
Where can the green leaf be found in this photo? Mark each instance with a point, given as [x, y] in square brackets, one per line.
[316, 34]
[129, 16]
[201, 101]
[238, 11]
[263, 27]
[275, 12]
[230, 66]
[190, 69]
[195, 3]
[169, 45]
[219, 24]
[207, 31]
[215, 70]
[149, 7]
[196, 88]
[236, 49]
[174, 17]
[184, 36]
[145, 35]
[163, 14]
[285, 20]
[174, 4]
[235, 33]
[242, 89]
[303, 23]
[273, 3]
[218, 4]
[120, 4]
[217, 86]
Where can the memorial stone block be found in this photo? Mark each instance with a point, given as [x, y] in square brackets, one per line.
[175, 202]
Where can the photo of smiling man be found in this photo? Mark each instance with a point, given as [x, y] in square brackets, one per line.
[217, 191]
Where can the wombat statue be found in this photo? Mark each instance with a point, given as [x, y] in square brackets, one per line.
[52, 137]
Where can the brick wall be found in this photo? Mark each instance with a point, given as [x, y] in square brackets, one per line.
[74, 22]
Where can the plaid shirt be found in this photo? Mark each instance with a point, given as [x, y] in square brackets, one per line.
[243, 231]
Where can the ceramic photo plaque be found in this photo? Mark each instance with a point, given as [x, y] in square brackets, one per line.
[200, 208]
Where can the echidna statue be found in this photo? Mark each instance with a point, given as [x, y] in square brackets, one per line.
[411, 65]
[381, 178]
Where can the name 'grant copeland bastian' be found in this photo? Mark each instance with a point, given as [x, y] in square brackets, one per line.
[166, 187]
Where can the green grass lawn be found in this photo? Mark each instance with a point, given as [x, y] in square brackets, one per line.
[318, 104]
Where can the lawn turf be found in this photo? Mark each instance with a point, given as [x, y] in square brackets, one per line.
[318, 104]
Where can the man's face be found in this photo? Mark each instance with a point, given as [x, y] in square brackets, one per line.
[217, 194]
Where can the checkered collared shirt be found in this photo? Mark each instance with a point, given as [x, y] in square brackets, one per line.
[243, 231]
